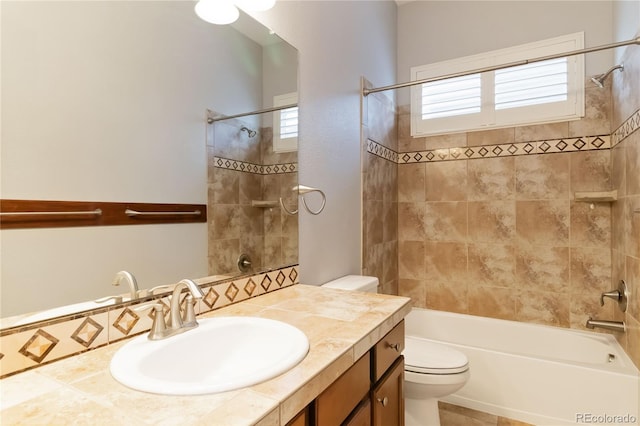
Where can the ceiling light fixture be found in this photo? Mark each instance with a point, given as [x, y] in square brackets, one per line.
[222, 12]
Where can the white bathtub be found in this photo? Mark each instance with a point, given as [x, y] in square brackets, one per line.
[535, 373]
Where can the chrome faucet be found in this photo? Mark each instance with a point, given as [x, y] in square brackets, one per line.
[177, 324]
[131, 281]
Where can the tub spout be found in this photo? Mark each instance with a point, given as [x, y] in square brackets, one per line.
[607, 325]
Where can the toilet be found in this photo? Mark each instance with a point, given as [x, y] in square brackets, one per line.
[431, 370]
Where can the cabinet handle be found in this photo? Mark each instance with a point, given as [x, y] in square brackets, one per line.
[384, 401]
[393, 346]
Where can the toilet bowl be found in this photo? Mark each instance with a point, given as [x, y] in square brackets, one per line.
[431, 370]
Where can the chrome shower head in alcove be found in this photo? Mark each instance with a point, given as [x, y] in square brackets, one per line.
[250, 132]
[598, 80]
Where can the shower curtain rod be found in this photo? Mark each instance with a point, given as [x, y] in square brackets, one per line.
[366, 92]
[211, 120]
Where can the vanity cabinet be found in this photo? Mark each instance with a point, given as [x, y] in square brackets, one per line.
[370, 392]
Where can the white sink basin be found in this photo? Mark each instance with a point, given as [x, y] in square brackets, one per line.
[222, 354]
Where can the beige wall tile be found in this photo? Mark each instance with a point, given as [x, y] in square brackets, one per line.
[411, 259]
[411, 182]
[543, 222]
[597, 114]
[633, 284]
[590, 171]
[543, 268]
[591, 227]
[585, 306]
[632, 168]
[590, 271]
[542, 307]
[415, 289]
[446, 181]
[445, 221]
[491, 179]
[446, 141]
[492, 222]
[411, 221]
[491, 137]
[542, 132]
[447, 296]
[542, 177]
[492, 265]
[492, 302]
[446, 261]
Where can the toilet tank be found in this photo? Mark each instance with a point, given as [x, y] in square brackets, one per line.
[355, 283]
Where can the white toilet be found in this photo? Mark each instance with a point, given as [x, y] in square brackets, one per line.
[431, 370]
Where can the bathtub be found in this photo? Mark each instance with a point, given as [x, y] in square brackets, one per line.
[534, 373]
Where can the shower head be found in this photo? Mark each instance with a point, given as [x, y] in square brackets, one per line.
[250, 132]
[599, 79]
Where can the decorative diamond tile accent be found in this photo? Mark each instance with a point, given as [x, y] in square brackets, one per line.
[293, 275]
[126, 321]
[231, 292]
[211, 297]
[225, 163]
[561, 145]
[417, 157]
[406, 158]
[39, 346]
[250, 287]
[430, 156]
[544, 147]
[512, 149]
[469, 152]
[280, 278]
[266, 282]
[597, 142]
[497, 150]
[579, 143]
[528, 148]
[483, 151]
[87, 332]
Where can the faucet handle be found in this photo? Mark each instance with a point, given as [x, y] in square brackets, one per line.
[613, 294]
[116, 299]
[159, 326]
[152, 290]
[189, 316]
[619, 294]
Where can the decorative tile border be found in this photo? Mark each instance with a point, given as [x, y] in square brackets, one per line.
[627, 128]
[37, 344]
[587, 143]
[242, 166]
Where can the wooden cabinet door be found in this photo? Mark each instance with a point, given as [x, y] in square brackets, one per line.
[335, 404]
[388, 397]
[361, 416]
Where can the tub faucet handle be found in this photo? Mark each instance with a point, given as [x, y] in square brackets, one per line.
[613, 294]
[619, 294]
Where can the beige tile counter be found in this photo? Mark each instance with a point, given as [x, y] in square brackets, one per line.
[341, 327]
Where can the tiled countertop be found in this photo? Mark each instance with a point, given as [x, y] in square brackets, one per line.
[341, 327]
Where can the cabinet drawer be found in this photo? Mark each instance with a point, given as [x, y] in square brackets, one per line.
[387, 350]
[338, 400]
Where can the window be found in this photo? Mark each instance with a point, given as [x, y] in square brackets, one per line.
[285, 123]
[538, 92]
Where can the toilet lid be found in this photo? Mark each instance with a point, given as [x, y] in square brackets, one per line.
[426, 356]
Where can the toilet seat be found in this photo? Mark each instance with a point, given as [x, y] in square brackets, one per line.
[428, 357]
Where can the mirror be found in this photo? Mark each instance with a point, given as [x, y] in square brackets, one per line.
[108, 101]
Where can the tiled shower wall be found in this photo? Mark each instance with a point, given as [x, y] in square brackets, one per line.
[241, 170]
[625, 168]
[487, 223]
[379, 193]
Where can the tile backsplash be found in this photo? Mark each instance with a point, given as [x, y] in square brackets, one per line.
[30, 346]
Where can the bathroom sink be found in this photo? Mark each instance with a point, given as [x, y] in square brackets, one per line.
[221, 354]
